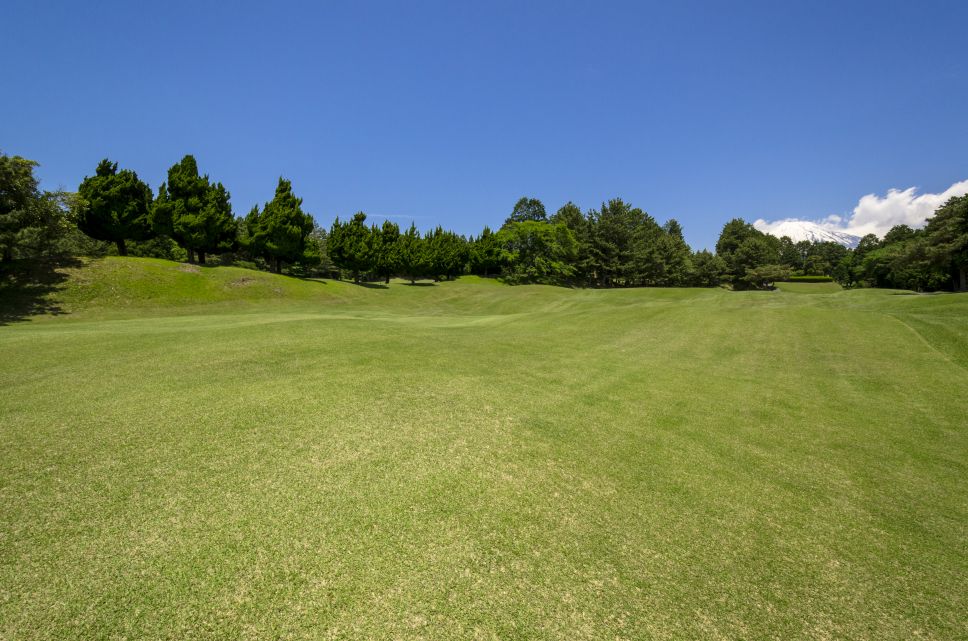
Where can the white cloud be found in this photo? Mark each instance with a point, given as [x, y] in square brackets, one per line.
[877, 214]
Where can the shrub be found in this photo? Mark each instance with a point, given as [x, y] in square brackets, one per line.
[810, 279]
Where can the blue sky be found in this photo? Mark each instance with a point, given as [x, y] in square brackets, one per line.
[446, 113]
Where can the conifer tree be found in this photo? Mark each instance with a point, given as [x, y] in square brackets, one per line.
[115, 207]
[351, 246]
[194, 212]
[18, 193]
[486, 254]
[279, 232]
[384, 242]
[412, 258]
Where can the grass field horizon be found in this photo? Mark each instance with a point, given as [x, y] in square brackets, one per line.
[212, 452]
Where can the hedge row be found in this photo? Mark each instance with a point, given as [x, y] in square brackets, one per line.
[810, 279]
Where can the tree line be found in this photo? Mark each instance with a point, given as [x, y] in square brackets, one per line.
[617, 245]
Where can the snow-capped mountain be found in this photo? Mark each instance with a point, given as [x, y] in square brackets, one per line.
[799, 230]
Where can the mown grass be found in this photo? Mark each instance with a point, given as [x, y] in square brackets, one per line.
[187, 457]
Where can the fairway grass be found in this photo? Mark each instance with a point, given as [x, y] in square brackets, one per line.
[217, 453]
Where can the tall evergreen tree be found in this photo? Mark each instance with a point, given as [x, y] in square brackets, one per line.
[707, 269]
[624, 246]
[351, 246]
[194, 212]
[946, 235]
[572, 217]
[18, 193]
[486, 255]
[446, 254]
[742, 248]
[116, 206]
[674, 258]
[279, 232]
[412, 257]
[384, 242]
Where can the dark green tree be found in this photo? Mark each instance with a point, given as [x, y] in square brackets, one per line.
[538, 252]
[898, 234]
[385, 241]
[903, 261]
[33, 223]
[446, 254]
[351, 246]
[278, 233]
[673, 262]
[116, 206]
[527, 209]
[486, 255]
[822, 258]
[790, 255]
[763, 276]
[194, 212]
[742, 247]
[18, 193]
[624, 246]
[707, 269]
[572, 217]
[412, 257]
[946, 235]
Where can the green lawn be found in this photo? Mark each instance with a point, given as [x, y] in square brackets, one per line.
[221, 453]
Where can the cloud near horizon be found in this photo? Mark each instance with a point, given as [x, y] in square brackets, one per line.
[877, 214]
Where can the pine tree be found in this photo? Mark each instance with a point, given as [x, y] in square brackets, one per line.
[412, 257]
[116, 206]
[194, 212]
[486, 254]
[351, 246]
[384, 241]
[279, 232]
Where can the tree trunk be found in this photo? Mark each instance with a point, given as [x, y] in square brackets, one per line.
[122, 248]
[388, 278]
[963, 278]
[191, 255]
[201, 257]
[7, 254]
[277, 265]
[356, 277]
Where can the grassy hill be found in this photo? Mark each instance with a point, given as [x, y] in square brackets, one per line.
[220, 453]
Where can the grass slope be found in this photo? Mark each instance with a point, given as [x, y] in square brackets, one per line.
[184, 455]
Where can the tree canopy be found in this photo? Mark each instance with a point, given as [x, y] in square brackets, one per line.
[193, 211]
[279, 232]
[116, 206]
[615, 245]
[527, 209]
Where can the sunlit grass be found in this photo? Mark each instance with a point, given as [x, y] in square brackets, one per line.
[189, 454]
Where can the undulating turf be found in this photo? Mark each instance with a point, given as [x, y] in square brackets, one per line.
[219, 453]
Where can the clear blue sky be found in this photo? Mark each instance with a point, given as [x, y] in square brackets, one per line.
[448, 112]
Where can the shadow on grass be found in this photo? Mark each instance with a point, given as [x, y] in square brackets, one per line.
[26, 288]
[373, 285]
[420, 284]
